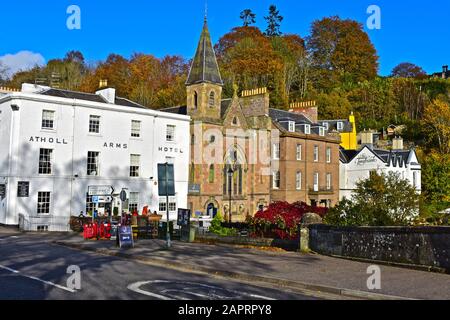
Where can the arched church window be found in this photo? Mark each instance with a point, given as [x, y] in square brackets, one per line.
[195, 99]
[212, 99]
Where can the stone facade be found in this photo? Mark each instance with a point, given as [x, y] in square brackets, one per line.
[232, 147]
[306, 165]
[420, 246]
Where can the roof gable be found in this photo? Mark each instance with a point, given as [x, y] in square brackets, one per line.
[366, 156]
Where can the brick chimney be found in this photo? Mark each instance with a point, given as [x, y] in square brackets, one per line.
[109, 94]
[306, 108]
[397, 144]
[444, 72]
[255, 102]
[367, 138]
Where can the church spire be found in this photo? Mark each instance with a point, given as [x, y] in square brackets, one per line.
[204, 66]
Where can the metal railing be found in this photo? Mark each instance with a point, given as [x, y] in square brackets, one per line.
[320, 190]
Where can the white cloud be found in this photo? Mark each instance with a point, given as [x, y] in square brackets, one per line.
[21, 61]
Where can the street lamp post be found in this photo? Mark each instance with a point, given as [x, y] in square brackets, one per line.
[168, 242]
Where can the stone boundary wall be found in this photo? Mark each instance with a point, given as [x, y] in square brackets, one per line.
[290, 245]
[421, 246]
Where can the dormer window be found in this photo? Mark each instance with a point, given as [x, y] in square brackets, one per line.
[322, 131]
[291, 126]
[212, 99]
[326, 126]
[235, 121]
[340, 126]
[307, 129]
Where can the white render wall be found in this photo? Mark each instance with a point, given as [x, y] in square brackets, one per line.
[71, 142]
[354, 171]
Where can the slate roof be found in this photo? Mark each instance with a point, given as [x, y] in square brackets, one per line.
[224, 105]
[177, 110]
[347, 155]
[332, 125]
[89, 97]
[73, 95]
[282, 115]
[396, 158]
[204, 66]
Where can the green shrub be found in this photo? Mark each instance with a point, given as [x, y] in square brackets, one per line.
[216, 227]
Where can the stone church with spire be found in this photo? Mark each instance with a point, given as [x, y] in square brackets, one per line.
[245, 154]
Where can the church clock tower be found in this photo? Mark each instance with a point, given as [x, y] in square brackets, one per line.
[204, 83]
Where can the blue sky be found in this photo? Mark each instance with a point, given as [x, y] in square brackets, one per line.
[414, 31]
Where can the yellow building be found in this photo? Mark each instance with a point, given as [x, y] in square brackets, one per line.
[346, 129]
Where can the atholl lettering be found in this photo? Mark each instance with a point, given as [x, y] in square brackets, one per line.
[48, 140]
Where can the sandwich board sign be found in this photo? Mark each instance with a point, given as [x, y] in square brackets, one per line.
[125, 237]
[184, 217]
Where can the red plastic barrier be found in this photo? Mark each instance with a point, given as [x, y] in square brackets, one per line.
[96, 230]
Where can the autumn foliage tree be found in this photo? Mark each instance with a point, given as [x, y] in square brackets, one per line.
[436, 122]
[341, 52]
[150, 81]
[408, 70]
[251, 59]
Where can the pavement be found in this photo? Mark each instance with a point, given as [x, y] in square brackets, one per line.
[33, 268]
[284, 269]
[285, 275]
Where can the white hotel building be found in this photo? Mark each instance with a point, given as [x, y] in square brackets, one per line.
[55, 144]
[357, 165]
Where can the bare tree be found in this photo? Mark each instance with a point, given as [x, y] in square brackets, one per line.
[3, 73]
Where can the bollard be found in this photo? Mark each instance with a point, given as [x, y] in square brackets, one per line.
[304, 238]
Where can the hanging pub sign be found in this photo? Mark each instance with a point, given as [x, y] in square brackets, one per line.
[2, 191]
[166, 180]
[23, 189]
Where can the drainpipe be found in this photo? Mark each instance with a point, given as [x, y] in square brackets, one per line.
[14, 108]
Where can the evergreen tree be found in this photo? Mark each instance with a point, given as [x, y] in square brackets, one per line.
[274, 20]
[248, 17]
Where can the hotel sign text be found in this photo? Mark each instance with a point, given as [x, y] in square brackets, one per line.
[48, 140]
[170, 149]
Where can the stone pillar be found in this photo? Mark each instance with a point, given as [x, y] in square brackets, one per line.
[304, 239]
[307, 220]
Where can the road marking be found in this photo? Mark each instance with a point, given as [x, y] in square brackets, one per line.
[9, 269]
[136, 287]
[37, 279]
[10, 237]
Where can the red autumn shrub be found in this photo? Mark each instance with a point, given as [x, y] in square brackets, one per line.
[281, 219]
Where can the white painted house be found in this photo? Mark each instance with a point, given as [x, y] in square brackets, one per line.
[356, 165]
[55, 144]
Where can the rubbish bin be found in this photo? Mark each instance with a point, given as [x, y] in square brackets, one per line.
[163, 230]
